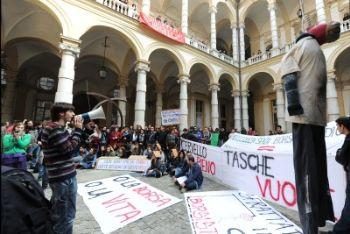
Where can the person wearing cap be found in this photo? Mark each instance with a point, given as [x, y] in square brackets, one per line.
[304, 75]
[59, 148]
[343, 157]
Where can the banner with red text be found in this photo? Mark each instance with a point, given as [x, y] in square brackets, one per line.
[207, 156]
[234, 212]
[162, 28]
[117, 201]
[263, 165]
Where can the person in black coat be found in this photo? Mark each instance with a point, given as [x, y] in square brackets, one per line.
[343, 157]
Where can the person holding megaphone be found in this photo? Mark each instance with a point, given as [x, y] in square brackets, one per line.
[59, 147]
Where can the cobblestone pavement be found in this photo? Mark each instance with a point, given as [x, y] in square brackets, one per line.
[171, 220]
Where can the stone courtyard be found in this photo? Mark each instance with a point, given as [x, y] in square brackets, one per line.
[172, 220]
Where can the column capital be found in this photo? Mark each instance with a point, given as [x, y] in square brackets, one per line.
[160, 88]
[213, 9]
[245, 93]
[122, 80]
[272, 5]
[235, 93]
[184, 79]
[142, 65]
[233, 25]
[278, 87]
[331, 74]
[214, 86]
[241, 26]
[70, 44]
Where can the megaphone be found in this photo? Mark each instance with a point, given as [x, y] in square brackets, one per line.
[94, 114]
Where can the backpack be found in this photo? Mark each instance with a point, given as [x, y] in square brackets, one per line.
[24, 208]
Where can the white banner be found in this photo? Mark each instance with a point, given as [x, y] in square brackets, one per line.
[170, 117]
[234, 212]
[118, 201]
[263, 165]
[114, 163]
[207, 156]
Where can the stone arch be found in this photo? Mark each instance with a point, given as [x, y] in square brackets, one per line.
[56, 11]
[108, 61]
[234, 83]
[14, 24]
[130, 38]
[208, 69]
[179, 60]
[333, 57]
[244, 10]
[267, 71]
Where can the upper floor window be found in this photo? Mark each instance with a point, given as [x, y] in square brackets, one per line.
[46, 83]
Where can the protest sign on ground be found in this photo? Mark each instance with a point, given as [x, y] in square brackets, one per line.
[117, 201]
[234, 212]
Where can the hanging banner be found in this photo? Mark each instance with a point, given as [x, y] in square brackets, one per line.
[117, 201]
[138, 163]
[162, 28]
[234, 212]
[170, 117]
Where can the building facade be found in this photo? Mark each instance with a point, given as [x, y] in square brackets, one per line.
[222, 72]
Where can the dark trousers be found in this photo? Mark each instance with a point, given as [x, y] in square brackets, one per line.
[343, 224]
[310, 167]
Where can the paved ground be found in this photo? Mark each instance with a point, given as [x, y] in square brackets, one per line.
[172, 220]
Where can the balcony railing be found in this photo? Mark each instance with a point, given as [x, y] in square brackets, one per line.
[132, 12]
[120, 7]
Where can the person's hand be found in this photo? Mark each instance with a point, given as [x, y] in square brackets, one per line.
[78, 122]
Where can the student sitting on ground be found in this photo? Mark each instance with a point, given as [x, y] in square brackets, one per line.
[89, 160]
[148, 151]
[154, 169]
[194, 176]
[182, 166]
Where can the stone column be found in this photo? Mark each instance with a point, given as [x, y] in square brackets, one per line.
[234, 42]
[332, 98]
[245, 108]
[142, 67]
[321, 14]
[273, 23]
[159, 106]
[122, 105]
[70, 51]
[212, 12]
[280, 105]
[183, 81]
[241, 35]
[237, 109]
[214, 88]
[146, 6]
[7, 107]
[184, 17]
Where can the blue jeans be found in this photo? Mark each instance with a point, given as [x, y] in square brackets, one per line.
[191, 186]
[63, 201]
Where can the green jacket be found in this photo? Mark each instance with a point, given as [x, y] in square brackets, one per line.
[12, 145]
[214, 139]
